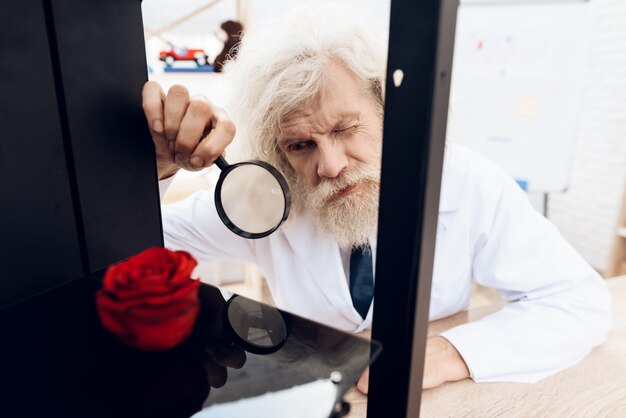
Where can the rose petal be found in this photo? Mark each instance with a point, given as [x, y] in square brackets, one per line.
[149, 300]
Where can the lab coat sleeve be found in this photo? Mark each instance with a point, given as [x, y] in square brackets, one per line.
[164, 185]
[559, 307]
[193, 225]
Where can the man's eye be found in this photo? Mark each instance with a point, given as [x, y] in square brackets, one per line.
[343, 131]
[298, 146]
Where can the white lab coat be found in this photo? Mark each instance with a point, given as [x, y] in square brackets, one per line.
[487, 233]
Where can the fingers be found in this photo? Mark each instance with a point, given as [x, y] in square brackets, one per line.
[195, 123]
[216, 374]
[228, 356]
[192, 150]
[152, 99]
[215, 142]
[219, 357]
[175, 106]
[178, 124]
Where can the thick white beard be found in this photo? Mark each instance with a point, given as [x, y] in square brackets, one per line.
[352, 219]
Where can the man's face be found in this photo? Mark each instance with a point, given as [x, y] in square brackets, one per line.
[333, 144]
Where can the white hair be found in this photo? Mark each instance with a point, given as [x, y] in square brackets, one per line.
[281, 64]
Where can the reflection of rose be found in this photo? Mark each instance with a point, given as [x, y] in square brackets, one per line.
[149, 301]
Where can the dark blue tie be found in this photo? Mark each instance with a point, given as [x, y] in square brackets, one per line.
[361, 279]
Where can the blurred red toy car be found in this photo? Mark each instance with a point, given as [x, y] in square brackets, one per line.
[170, 56]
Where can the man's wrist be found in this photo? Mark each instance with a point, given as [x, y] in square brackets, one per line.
[166, 171]
[456, 367]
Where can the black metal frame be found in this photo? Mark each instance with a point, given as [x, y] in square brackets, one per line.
[421, 41]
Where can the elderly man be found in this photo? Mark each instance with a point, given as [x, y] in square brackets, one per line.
[308, 98]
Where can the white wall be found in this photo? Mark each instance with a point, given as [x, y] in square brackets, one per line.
[587, 213]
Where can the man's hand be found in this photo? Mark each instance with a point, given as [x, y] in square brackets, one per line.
[188, 132]
[443, 364]
[364, 382]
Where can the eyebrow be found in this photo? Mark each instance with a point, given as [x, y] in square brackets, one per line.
[343, 120]
[346, 119]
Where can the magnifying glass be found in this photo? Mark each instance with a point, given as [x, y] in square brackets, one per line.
[256, 327]
[252, 198]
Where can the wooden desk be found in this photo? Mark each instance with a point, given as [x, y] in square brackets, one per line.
[595, 387]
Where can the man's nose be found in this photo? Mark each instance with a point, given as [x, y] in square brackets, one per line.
[332, 160]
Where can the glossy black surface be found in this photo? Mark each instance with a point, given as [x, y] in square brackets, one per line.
[57, 361]
[76, 159]
[36, 208]
[102, 64]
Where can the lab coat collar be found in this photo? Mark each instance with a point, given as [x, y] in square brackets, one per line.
[323, 262]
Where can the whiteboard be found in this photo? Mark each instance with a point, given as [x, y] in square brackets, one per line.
[517, 86]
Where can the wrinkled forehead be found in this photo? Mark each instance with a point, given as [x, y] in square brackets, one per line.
[324, 113]
[302, 124]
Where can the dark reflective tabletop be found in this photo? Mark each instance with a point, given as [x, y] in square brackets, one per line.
[58, 361]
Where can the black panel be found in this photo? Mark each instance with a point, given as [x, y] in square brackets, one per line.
[57, 361]
[421, 39]
[39, 335]
[103, 65]
[37, 225]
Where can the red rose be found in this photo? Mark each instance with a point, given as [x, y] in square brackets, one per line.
[149, 301]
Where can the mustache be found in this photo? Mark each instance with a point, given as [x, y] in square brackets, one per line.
[328, 188]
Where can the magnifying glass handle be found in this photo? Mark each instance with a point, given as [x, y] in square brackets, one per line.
[221, 162]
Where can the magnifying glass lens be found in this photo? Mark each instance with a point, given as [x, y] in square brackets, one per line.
[261, 329]
[252, 199]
